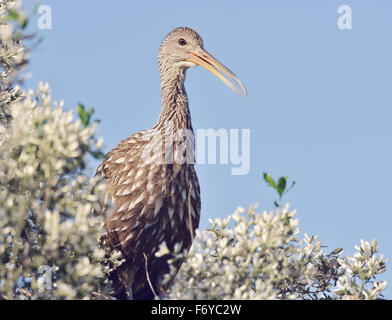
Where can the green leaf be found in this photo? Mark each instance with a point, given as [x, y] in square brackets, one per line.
[281, 185]
[81, 111]
[84, 115]
[13, 14]
[269, 180]
[97, 154]
[24, 23]
[89, 114]
[337, 251]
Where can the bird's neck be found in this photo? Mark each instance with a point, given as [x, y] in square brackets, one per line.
[175, 111]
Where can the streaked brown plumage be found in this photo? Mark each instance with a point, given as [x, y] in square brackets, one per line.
[150, 176]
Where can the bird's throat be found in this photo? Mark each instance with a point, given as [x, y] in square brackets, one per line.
[174, 100]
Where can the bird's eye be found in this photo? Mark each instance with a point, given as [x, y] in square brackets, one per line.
[181, 42]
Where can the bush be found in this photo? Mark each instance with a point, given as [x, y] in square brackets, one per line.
[50, 210]
[260, 256]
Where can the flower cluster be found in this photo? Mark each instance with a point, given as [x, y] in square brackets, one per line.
[13, 53]
[253, 255]
[48, 205]
[359, 277]
[51, 212]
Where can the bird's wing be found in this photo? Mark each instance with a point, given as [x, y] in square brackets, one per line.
[136, 182]
[119, 168]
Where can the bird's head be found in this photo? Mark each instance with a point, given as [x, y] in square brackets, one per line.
[183, 48]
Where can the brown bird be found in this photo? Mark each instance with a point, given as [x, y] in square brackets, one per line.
[151, 179]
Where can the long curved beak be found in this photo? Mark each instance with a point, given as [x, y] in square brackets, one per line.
[204, 59]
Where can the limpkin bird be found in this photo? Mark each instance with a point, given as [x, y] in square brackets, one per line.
[155, 192]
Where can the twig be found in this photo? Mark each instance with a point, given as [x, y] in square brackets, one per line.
[148, 276]
[189, 212]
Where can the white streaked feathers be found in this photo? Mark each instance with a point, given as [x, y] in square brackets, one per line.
[158, 205]
[120, 160]
[170, 212]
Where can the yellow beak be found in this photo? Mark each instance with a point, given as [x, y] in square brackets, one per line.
[204, 59]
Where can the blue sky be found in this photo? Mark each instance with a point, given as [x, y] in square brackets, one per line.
[318, 106]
